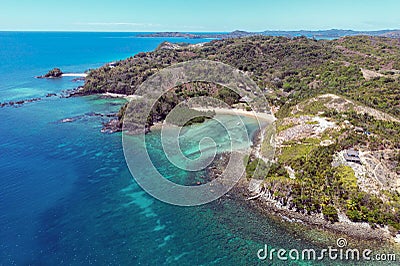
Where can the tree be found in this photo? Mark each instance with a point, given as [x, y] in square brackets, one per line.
[330, 213]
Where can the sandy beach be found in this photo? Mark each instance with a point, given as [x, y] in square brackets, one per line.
[240, 112]
[125, 96]
[81, 75]
[262, 117]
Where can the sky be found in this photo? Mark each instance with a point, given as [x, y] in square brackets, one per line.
[197, 15]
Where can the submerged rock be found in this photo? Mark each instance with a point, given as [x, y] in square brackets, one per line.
[19, 102]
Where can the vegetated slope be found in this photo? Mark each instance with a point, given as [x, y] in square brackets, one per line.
[291, 72]
[313, 138]
[288, 69]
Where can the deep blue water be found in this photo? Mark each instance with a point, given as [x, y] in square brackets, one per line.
[66, 195]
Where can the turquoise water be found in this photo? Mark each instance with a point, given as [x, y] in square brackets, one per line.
[66, 194]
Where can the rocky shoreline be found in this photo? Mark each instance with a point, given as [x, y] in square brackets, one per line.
[64, 94]
[250, 195]
[352, 230]
[247, 193]
[112, 126]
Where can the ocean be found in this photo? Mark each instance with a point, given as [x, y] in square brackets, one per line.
[66, 194]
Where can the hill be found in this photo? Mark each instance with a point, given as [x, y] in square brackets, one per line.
[286, 68]
[338, 109]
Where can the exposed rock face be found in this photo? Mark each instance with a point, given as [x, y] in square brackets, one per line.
[54, 73]
[112, 126]
[168, 46]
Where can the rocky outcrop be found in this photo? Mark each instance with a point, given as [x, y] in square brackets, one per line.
[54, 73]
[112, 126]
[19, 103]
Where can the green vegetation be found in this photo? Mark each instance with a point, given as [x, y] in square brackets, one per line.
[121, 114]
[282, 127]
[294, 152]
[228, 96]
[330, 213]
[321, 188]
[182, 93]
[385, 133]
[54, 73]
[346, 177]
[267, 148]
[294, 71]
[184, 116]
[256, 168]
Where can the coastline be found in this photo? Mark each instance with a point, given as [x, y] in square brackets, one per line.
[261, 117]
[313, 227]
[250, 192]
[358, 231]
[269, 206]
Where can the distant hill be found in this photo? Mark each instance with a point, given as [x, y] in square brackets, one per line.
[320, 34]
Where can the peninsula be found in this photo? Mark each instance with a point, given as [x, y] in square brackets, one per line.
[338, 127]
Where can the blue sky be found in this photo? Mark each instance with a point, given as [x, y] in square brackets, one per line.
[200, 15]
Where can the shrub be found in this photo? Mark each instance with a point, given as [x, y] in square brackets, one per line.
[330, 213]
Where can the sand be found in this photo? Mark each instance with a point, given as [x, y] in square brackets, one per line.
[240, 112]
[125, 96]
[82, 75]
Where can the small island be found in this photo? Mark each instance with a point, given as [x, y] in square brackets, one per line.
[54, 73]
